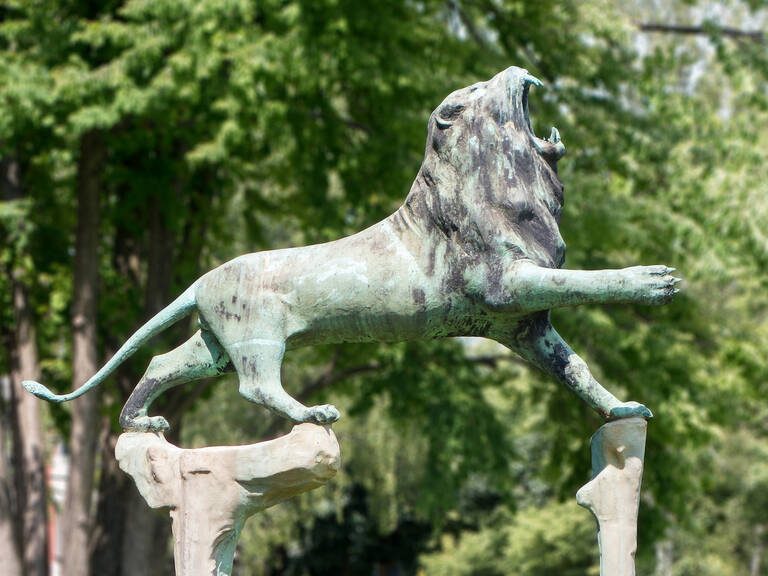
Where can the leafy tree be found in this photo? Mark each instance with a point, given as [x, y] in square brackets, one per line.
[205, 130]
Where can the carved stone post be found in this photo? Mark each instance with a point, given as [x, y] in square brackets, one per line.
[613, 494]
[212, 491]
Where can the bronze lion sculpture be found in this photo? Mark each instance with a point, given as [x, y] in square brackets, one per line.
[475, 250]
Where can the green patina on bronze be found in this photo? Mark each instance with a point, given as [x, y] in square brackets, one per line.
[475, 250]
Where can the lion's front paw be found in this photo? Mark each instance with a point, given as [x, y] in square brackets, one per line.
[630, 410]
[324, 414]
[147, 424]
[653, 285]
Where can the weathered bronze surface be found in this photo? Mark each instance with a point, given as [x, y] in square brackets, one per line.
[475, 250]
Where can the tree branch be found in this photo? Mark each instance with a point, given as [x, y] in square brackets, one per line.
[466, 20]
[348, 122]
[329, 378]
[755, 35]
[508, 41]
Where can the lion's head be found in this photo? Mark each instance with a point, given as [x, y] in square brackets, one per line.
[487, 179]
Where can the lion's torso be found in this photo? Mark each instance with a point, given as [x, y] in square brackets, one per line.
[483, 199]
[377, 285]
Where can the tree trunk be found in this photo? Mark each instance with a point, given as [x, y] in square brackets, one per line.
[160, 259]
[27, 429]
[137, 541]
[664, 558]
[84, 432]
[29, 439]
[10, 558]
[110, 509]
[147, 534]
[757, 551]
[115, 490]
[146, 542]
[141, 544]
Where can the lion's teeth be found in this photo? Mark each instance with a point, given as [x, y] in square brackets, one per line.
[528, 79]
[554, 136]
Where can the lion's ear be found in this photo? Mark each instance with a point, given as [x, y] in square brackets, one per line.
[447, 113]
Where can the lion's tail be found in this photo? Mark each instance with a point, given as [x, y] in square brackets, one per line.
[175, 311]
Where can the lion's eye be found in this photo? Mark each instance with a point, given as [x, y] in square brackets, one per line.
[448, 113]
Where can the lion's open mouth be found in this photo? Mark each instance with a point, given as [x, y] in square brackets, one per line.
[551, 147]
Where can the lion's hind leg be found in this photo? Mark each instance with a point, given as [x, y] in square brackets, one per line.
[199, 357]
[541, 345]
[257, 362]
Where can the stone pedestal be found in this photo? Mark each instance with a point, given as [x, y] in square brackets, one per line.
[613, 494]
[212, 491]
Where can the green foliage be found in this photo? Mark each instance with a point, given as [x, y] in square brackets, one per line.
[232, 126]
[545, 541]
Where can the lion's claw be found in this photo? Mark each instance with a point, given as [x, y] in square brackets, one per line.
[324, 414]
[630, 410]
[652, 285]
[147, 424]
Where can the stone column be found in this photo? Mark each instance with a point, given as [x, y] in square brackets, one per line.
[613, 494]
[212, 491]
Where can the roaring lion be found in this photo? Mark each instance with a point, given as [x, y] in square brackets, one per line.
[475, 250]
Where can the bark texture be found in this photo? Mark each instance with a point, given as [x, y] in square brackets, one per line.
[755, 560]
[29, 440]
[110, 512]
[147, 535]
[84, 432]
[10, 560]
[135, 540]
[26, 426]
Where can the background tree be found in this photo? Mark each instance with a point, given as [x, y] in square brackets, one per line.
[203, 130]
